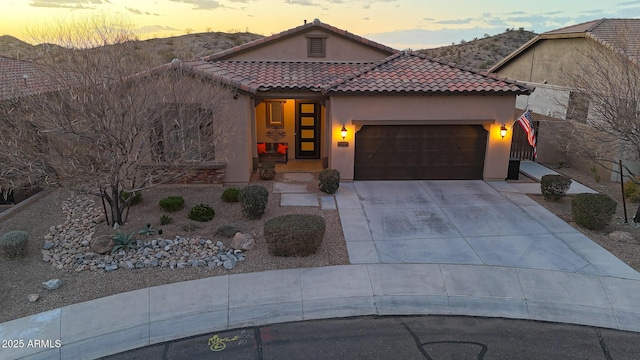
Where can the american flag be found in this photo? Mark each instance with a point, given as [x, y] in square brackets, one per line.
[526, 122]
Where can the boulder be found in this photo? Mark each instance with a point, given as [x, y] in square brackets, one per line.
[33, 297]
[52, 284]
[102, 244]
[242, 242]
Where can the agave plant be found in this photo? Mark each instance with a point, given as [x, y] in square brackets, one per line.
[123, 241]
[147, 230]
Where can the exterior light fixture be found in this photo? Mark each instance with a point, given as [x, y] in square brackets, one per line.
[343, 132]
[503, 131]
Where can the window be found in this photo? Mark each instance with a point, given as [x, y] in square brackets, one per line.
[316, 46]
[578, 107]
[275, 113]
[182, 132]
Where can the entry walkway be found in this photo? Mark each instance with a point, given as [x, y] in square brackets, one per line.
[492, 270]
[536, 171]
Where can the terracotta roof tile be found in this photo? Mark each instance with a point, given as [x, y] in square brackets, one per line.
[409, 72]
[266, 75]
[403, 72]
[21, 78]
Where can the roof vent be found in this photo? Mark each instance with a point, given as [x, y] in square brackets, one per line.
[305, 21]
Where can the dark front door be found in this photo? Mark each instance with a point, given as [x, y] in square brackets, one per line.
[307, 130]
[420, 152]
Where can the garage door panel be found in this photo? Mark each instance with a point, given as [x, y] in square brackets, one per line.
[421, 152]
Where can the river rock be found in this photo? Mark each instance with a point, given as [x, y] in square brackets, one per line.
[52, 284]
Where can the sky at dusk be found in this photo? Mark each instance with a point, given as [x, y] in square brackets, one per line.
[400, 24]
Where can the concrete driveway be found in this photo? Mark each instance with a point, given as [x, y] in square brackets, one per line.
[464, 222]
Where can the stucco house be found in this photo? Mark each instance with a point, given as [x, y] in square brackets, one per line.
[18, 79]
[547, 62]
[406, 116]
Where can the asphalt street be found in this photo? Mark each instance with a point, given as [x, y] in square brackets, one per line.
[402, 337]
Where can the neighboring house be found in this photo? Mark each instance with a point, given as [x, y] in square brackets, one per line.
[546, 61]
[406, 116]
[18, 79]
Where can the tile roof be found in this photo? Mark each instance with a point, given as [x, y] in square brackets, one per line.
[403, 72]
[20, 78]
[253, 76]
[315, 24]
[612, 33]
[409, 72]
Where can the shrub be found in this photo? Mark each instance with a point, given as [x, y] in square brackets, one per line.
[227, 231]
[294, 234]
[123, 241]
[254, 199]
[201, 212]
[230, 195]
[166, 219]
[632, 191]
[554, 187]
[593, 211]
[172, 203]
[14, 244]
[137, 197]
[329, 180]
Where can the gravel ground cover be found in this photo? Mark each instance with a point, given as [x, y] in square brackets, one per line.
[21, 277]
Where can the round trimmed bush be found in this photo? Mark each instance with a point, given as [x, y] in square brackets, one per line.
[254, 199]
[593, 211]
[201, 212]
[554, 187]
[329, 180]
[230, 195]
[14, 244]
[137, 197]
[172, 203]
[294, 234]
[227, 231]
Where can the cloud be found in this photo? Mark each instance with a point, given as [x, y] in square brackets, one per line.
[201, 4]
[455, 22]
[133, 11]
[300, 2]
[140, 12]
[154, 28]
[366, 6]
[366, 18]
[68, 4]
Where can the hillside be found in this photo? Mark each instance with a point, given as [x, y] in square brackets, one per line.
[481, 53]
[162, 50]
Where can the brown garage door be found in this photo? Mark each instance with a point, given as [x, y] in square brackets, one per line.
[420, 152]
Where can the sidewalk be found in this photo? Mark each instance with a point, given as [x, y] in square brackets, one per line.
[134, 319]
[536, 171]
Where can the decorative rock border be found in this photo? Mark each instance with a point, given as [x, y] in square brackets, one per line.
[67, 246]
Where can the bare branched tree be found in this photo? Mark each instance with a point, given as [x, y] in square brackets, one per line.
[603, 111]
[110, 127]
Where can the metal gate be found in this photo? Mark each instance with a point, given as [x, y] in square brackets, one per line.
[520, 147]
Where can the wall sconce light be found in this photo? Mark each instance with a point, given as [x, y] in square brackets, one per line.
[503, 131]
[343, 132]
